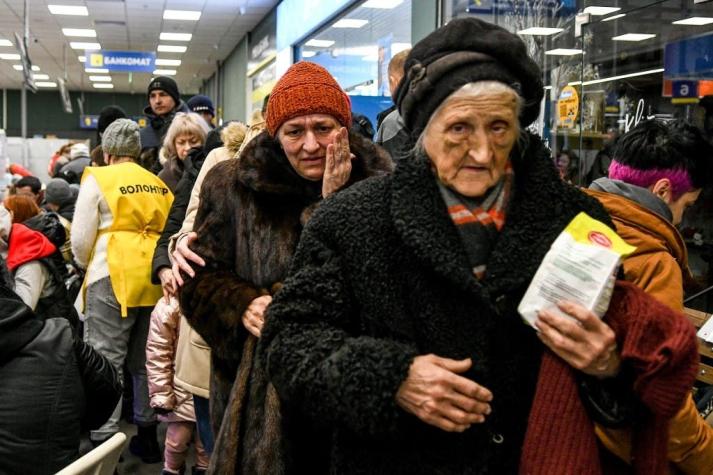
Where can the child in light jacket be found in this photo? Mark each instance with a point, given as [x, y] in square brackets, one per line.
[173, 404]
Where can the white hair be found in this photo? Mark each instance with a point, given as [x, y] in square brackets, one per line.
[475, 90]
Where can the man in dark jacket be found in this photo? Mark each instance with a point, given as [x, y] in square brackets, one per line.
[391, 133]
[78, 161]
[60, 198]
[164, 101]
[54, 386]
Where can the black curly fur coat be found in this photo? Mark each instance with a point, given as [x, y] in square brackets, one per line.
[380, 276]
[249, 222]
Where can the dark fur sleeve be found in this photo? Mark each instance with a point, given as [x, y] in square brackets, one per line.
[315, 357]
[214, 300]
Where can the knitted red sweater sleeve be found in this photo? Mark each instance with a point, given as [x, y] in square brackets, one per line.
[658, 343]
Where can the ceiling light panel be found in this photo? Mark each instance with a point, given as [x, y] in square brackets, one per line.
[40, 76]
[383, 4]
[165, 72]
[187, 15]
[167, 62]
[633, 37]
[103, 85]
[172, 48]
[10, 56]
[4, 42]
[100, 78]
[695, 21]
[35, 68]
[598, 11]
[82, 59]
[308, 54]
[563, 52]
[350, 23]
[320, 43]
[539, 31]
[45, 84]
[614, 17]
[68, 10]
[85, 46]
[84, 33]
[175, 36]
[17, 67]
[96, 70]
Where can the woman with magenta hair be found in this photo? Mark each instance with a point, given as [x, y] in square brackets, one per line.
[658, 170]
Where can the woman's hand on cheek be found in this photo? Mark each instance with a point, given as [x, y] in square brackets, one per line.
[338, 164]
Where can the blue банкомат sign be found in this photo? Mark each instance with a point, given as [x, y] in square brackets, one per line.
[127, 61]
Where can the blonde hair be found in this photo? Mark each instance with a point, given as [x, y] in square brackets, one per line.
[184, 123]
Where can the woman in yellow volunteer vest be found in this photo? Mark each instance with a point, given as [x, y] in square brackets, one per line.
[120, 213]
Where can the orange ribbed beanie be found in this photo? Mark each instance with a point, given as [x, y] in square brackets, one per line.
[306, 88]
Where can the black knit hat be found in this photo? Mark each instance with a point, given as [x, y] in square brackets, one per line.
[466, 50]
[166, 84]
[108, 115]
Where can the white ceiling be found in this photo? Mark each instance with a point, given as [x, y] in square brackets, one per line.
[132, 25]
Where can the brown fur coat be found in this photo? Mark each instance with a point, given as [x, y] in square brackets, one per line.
[249, 222]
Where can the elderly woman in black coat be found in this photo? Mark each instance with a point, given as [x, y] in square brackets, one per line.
[397, 331]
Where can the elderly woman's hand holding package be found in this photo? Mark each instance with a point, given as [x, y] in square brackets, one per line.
[396, 333]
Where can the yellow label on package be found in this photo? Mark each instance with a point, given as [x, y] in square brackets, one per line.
[580, 267]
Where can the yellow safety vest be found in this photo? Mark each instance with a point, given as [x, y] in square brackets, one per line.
[139, 202]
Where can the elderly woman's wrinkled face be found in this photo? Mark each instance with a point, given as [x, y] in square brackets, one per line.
[304, 140]
[470, 139]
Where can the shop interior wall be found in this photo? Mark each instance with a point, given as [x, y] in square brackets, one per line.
[46, 115]
[233, 83]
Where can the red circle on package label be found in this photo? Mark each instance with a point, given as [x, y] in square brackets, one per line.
[599, 239]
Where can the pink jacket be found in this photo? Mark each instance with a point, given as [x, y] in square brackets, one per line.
[160, 364]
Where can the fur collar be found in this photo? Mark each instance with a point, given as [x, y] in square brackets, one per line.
[541, 206]
[264, 168]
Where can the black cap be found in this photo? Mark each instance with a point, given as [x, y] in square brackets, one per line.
[201, 103]
[166, 84]
[463, 51]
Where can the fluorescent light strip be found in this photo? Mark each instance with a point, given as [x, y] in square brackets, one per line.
[100, 78]
[84, 46]
[79, 32]
[40, 77]
[17, 67]
[35, 68]
[165, 72]
[10, 56]
[168, 62]
[96, 70]
[382, 4]
[694, 21]
[614, 17]
[616, 78]
[175, 36]
[4, 42]
[308, 54]
[539, 31]
[350, 23]
[46, 84]
[68, 10]
[103, 85]
[634, 37]
[82, 59]
[189, 15]
[172, 49]
[599, 11]
[563, 52]
[319, 43]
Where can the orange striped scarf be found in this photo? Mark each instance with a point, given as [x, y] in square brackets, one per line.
[479, 221]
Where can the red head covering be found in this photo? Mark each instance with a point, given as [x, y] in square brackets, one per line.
[27, 245]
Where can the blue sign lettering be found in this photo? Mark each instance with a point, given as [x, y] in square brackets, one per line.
[127, 61]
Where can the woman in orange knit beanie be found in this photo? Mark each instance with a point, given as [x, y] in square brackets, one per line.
[251, 214]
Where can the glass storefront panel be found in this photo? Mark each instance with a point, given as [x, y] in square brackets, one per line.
[357, 47]
[262, 49]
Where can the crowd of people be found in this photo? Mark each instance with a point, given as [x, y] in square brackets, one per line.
[300, 294]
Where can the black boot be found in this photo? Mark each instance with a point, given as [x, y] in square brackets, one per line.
[145, 444]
